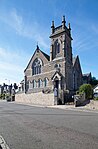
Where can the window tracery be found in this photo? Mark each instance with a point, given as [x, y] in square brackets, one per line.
[37, 66]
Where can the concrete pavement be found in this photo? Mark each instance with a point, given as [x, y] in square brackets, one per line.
[91, 107]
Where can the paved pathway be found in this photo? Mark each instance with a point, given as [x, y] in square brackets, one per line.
[91, 107]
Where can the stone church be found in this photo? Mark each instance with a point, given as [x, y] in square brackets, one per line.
[60, 70]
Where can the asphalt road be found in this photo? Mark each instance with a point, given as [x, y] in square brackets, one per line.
[28, 127]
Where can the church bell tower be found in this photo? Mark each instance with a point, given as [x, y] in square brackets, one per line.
[61, 41]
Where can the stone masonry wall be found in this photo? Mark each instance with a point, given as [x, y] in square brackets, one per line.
[35, 98]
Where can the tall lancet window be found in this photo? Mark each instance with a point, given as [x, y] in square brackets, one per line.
[56, 47]
[40, 83]
[45, 82]
[37, 66]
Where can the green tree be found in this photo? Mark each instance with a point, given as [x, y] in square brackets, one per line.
[93, 81]
[87, 89]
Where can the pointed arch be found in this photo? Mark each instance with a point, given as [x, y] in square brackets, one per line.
[46, 80]
[37, 66]
[57, 47]
[34, 84]
[40, 83]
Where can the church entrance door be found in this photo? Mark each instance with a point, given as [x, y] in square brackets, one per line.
[57, 84]
[56, 91]
[57, 87]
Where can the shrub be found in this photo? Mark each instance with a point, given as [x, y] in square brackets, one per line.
[96, 98]
[77, 92]
[87, 89]
[2, 96]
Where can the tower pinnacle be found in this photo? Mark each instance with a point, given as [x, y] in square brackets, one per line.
[69, 26]
[63, 22]
[53, 27]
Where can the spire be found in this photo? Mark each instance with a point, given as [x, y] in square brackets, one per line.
[63, 22]
[53, 27]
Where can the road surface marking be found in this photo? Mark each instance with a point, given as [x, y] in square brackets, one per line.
[3, 144]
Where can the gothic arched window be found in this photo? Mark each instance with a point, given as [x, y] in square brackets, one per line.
[34, 84]
[45, 82]
[56, 47]
[37, 66]
[40, 83]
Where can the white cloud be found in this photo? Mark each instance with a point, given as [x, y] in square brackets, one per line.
[16, 21]
[85, 40]
[12, 65]
[4, 53]
[13, 20]
[24, 28]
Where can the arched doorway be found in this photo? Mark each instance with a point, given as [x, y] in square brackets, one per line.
[57, 87]
[56, 84]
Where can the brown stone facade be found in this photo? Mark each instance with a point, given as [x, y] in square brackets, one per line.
[59, 70]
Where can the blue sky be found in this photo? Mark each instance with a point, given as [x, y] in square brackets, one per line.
[24, 23]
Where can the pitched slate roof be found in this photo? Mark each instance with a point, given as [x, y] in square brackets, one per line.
[87, 74]
[46, 55]
[74, 59]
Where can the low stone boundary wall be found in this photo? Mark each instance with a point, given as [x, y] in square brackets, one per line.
[36, 98]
